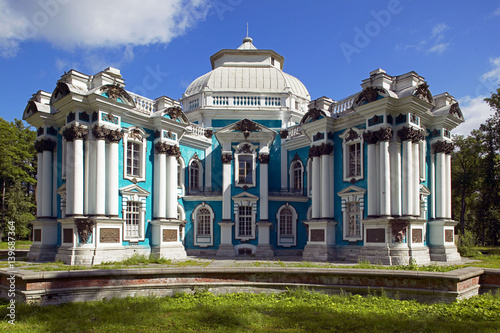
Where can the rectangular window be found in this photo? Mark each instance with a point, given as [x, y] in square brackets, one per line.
[203, 222]
[245, 221]
[286, 222]
[132, 218]
[353, 212]
[133, 159]
[354, 160]
[245, 169]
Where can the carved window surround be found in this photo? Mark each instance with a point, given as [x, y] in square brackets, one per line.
[246, 155]
[350, 195]
[203, 239]
[352, 139]
[134, 193]
[135, 135]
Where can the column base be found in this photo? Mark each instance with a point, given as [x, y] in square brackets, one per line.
[42, 253]
[225, 251]
[444, 253]
[318, 252]
[166, 239]
[170, 251]
[264, 251]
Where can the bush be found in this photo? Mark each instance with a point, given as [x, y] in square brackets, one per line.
[466, 245]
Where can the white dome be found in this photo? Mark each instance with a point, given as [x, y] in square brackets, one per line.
[247, 69]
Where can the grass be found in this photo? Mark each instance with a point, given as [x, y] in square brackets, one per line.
[298, 311]
[20, 244]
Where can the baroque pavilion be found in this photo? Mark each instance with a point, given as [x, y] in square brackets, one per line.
[245, 163]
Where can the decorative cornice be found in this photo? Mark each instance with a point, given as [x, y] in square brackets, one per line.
[384, 134]
[84, 227]
[115, 136]
[174, 151]
[424, 93]
[370, 137]
[226, 158]
[246, 126]
[100, 132]
[44, 145]
[161, 147]
[351, 135]
[245, 149]
[443, 147]
[409, 133]
[323, 149]
[75, 133]
[264, 158]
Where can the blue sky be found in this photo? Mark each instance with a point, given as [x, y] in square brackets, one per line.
[160, 46]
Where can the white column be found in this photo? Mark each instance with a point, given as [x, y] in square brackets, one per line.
[416, 179]
[47, 184]
[264, 190]
[440, 185]
[112, 198]
[325, 188]
[226, 189]
[432, 182]
[332, 186]
[70, 178]
[39, 186]
[372, 180]
[161, 180]
[407, 178]
[171, 187]
[448, 185]
[78, 177]
[316, 188]
[100, 172]
[385, 179]
[395, 179]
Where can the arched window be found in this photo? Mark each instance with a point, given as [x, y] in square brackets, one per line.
[203, 220]
[195, 174]
[286, 218]
[297, 176]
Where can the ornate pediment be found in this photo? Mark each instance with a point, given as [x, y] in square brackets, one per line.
[368, 95]
[117, 93]
[423, 92]
[246, 126]
[312, 115]
[175, 113]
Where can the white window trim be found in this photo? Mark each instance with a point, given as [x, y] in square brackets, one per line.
[309, 177]
[281, 239]
[292, 176]
[200, 175]
[345, 154]
[203, 241]
[254, 164]
[141, 141]
[136, 194]
[181, 188]
[348, 195]
[244, 199]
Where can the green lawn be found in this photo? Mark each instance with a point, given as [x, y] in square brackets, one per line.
[20, 244]
[298, 311]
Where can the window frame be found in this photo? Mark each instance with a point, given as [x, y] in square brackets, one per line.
[245, 149]
[350, 139]
[309, 177]
[286, 240]
[203, 240]
[136, 194]
[352, 195]
[181, 176]
[195, 161]
[291, 173]
[139, 137]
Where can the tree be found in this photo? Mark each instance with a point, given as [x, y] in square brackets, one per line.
[17, 175]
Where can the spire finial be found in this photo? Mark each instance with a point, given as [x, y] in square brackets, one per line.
[247, 29]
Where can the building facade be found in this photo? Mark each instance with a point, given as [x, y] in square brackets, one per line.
[244, 164]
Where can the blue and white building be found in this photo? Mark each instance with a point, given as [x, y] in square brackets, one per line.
[243, 164]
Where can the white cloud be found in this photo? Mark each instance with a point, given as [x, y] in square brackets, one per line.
[494, 74]
[434, 43]
[475, 111]
[70, 24]
[497, 12]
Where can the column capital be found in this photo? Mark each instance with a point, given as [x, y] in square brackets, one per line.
[443, 147]
[323, 149]
[114, 136]
[75, 133]
[410, 133]
[370, 137]
[100, 132]
[161, 147]
[174, 151]
[44, 145]
[384, 134]
[226, 158]
[264, 158]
